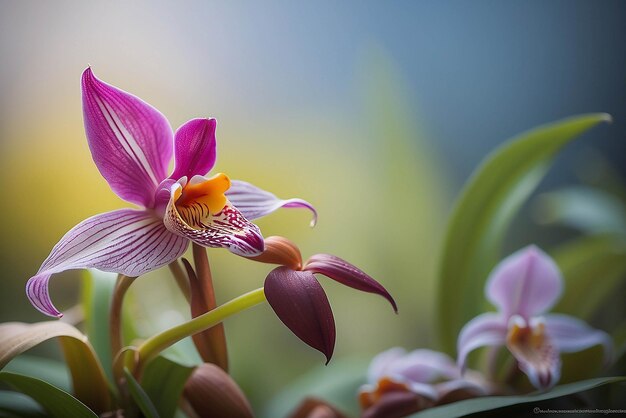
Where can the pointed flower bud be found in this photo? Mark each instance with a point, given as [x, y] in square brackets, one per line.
[213, 393]
[301, 304]
[316, 408]
[280, 250]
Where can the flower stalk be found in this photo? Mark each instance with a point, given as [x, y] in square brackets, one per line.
[181, 279]
[115, 319]
[157, 343]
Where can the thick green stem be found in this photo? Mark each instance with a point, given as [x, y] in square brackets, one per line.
[115, 318]
[154, 345]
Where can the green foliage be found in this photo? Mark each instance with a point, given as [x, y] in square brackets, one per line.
[483, 212]
[140, 397]
[96, 301]
[490, 403]
[18, 405]
[58, 403]
[163, 381]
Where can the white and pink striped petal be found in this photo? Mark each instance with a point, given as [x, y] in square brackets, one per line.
[127, 241]
[255, 203]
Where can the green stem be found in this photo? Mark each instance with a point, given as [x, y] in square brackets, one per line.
[154, 345]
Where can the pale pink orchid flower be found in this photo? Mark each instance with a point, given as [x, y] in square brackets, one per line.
[132, 144]
[524, 286]
[401, 383]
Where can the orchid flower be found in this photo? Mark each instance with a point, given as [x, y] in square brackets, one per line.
[297, 298]
[131, 144]
[401, 383]
[524, 286]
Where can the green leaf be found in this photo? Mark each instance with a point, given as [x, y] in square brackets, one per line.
[48, 370]
[15, 404]
[141, 398]
[96, 297]
[487, 204]
[593, 268]
[163, 381]
[58, 403]
[88, 380]
[587, 209]
[488, 403]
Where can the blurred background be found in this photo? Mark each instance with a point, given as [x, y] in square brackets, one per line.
[375, 112]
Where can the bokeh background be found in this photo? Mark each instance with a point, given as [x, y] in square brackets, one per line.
[376, 112]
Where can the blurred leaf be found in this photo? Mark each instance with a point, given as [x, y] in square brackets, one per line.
[163, 381]
[592, 267]
[140, 397]
[585, 208]
[15, 404]
[483, 212]
[336, 384]
[489, 403]
[88, 380]
[96, 299]
[48, 370]
[58, 403]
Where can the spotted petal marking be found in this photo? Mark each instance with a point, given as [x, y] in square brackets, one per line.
[225, 229]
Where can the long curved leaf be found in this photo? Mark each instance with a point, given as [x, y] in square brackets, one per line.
[483, 212]
[488, 403]
[88, 380]
[140, 397]
[58, 403]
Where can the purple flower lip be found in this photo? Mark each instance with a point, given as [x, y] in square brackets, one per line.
[524, 286]
[132, 144]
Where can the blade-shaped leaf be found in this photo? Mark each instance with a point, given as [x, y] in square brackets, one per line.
[163, 381]
[96, 300]
[48, 370]
[488, 403]
[483, 212]
[88, 380]
[140, 397]
[593, 267]
[58, 403]
[15, 404]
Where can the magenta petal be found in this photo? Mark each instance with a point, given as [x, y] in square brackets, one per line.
[130, 141]
[195, 145]
[255, 203]
[570, 334]
[127, 241]
[488, 329]
[347, 274]
[526, 283]
[301, 304]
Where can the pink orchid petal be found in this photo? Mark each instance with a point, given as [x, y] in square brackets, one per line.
[488, 329]
[226, 229]
[381, 363]
[130, 141]
[425, 366]
[126, 241]
[570, 334]
[526, 283]
[195, 145]
[347, 274]
[301, 304]
[255, 203]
